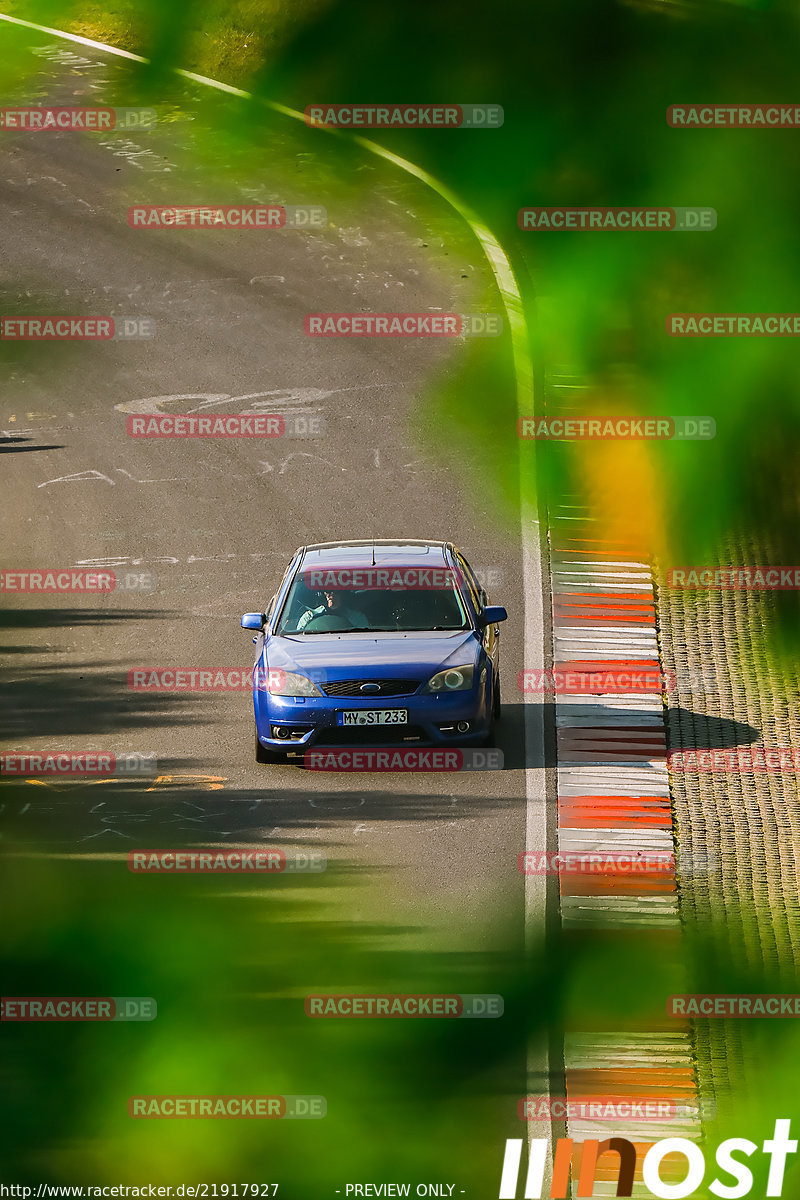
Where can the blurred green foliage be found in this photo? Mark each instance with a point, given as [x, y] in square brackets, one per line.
[585, 86]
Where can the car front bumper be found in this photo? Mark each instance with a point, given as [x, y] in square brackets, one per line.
[432, 720]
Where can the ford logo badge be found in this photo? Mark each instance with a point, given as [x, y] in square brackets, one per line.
[370, 689]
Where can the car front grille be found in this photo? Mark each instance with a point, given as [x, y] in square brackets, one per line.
[352, 687]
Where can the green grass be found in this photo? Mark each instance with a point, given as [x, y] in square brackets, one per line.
[230, 40]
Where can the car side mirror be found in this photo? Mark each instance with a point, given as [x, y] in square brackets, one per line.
[254, 620]
[492, 615]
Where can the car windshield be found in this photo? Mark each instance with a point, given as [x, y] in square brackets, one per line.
[310, 610]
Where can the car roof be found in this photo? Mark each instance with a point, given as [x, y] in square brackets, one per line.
[385, 553]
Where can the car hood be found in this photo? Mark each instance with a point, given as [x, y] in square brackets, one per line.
[323, 656]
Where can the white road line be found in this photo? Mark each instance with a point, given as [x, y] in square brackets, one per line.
[535, 781]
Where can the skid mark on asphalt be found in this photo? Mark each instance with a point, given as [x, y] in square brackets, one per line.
[293, 399]
[64, 57]
[133, 479]
[138, 156]
[90, 476]
[141, 157]
[135, 811]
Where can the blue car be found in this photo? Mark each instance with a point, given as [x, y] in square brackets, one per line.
[375, 643]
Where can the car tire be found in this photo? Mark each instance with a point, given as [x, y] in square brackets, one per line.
[488, 740]
[268, 756]
[497, 708]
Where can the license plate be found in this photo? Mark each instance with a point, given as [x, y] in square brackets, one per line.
[374, 716]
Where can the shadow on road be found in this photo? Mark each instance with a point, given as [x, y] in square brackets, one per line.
[66, 618]
[55, 701]
[13, 445]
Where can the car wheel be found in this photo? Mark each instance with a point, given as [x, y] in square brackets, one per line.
[268, 756]
[488, 740]
[497, 710]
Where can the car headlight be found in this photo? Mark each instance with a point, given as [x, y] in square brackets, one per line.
[456, 679]
[287, 683]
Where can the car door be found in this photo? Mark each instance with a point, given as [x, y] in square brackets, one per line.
[491, 633]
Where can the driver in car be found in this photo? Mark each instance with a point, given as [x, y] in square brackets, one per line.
[334, 606]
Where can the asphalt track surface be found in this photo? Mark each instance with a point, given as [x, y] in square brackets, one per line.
[431, 859]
